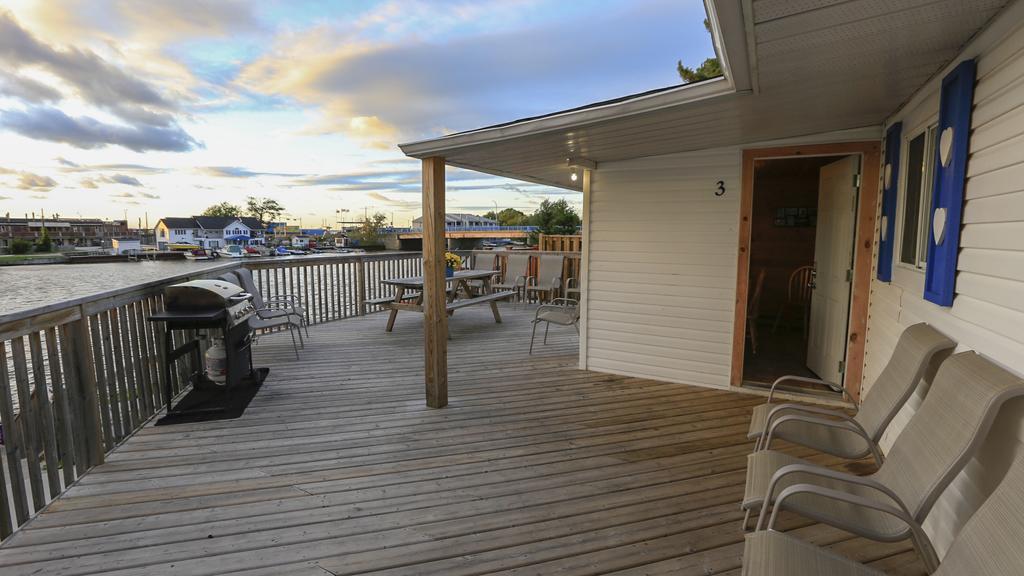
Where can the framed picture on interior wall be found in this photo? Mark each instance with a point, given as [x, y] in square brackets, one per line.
[801, 218]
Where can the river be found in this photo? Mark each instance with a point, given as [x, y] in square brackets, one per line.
[23, 287]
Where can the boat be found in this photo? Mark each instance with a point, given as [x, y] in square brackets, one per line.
[200, 254]
[232, 251]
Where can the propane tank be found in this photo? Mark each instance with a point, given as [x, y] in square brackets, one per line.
[217, 361]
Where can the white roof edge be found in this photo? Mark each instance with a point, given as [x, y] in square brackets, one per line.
[681, 95]
[730, 48]
[729, 35]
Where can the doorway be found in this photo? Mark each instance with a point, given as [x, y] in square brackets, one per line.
[802, 274]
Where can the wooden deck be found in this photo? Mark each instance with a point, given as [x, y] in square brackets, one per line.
[337, 467]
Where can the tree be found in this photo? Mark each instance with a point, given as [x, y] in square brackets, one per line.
[223, 209]
[508, 217]
[557, 217]
[44, 244]
[711, 68]
[265, 210]
[369, 232]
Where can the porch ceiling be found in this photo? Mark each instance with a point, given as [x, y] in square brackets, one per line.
[814, 66]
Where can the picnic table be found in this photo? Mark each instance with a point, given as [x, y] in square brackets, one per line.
[409, 294]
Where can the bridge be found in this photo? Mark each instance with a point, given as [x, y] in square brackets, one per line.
[461, 232]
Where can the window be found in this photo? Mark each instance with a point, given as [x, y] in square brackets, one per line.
[918, 198]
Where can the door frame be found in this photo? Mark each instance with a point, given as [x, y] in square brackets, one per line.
[866, 234]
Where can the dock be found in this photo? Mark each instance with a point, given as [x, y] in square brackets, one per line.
[535, 467]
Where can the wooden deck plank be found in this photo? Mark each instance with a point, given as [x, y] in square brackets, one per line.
[337, 467]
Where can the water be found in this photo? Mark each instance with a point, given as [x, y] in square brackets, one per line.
[24, 287]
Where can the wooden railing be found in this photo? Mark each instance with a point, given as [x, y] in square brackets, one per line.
[78, 378]
[81, 376]
[332, 288]
[560, 242]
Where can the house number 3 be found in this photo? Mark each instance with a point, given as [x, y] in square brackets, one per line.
[720, 188]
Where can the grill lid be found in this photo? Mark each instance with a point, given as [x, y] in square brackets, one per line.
[203, 295]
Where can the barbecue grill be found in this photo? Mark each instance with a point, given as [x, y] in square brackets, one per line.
[208, 296]
[208, 305]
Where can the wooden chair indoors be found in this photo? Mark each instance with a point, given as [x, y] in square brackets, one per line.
[798, 296]
[754, 309]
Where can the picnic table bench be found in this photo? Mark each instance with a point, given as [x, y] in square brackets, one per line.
[409, 294]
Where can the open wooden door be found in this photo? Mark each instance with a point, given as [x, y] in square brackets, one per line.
[833, 272]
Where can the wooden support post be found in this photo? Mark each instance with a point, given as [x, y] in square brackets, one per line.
[435, 315]
[584, 269]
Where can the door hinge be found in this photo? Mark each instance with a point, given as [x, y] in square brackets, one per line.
[842, 366]
[849, 275]
[856, 181]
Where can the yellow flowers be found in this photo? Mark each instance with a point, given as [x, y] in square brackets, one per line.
[452, 260]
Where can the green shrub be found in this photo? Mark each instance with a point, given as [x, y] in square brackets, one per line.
[19, 246]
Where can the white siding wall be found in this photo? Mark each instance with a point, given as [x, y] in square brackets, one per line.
[662, 276]
[988, 312]
[661, 284]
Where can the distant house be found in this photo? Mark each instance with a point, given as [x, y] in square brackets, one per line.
[125, 245]
[457, 220]
[209, 231]
[64, 233]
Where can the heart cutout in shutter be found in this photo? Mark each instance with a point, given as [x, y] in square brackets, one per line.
[939, 225]
[946, 146]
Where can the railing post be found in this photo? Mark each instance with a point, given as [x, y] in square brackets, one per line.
[13, 445]
[86, 392]
[361, 287]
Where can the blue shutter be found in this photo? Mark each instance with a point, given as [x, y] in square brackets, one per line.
[955, 103]
[890, 181]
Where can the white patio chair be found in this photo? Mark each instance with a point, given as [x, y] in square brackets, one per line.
[484, 261]
[548, 282]
[270, 318]
[274, 305]
[517, 270]
[989, 542]
[942, 436]
[561, 311]
[834, 431]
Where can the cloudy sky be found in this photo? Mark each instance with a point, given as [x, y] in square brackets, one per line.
[167, 106]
